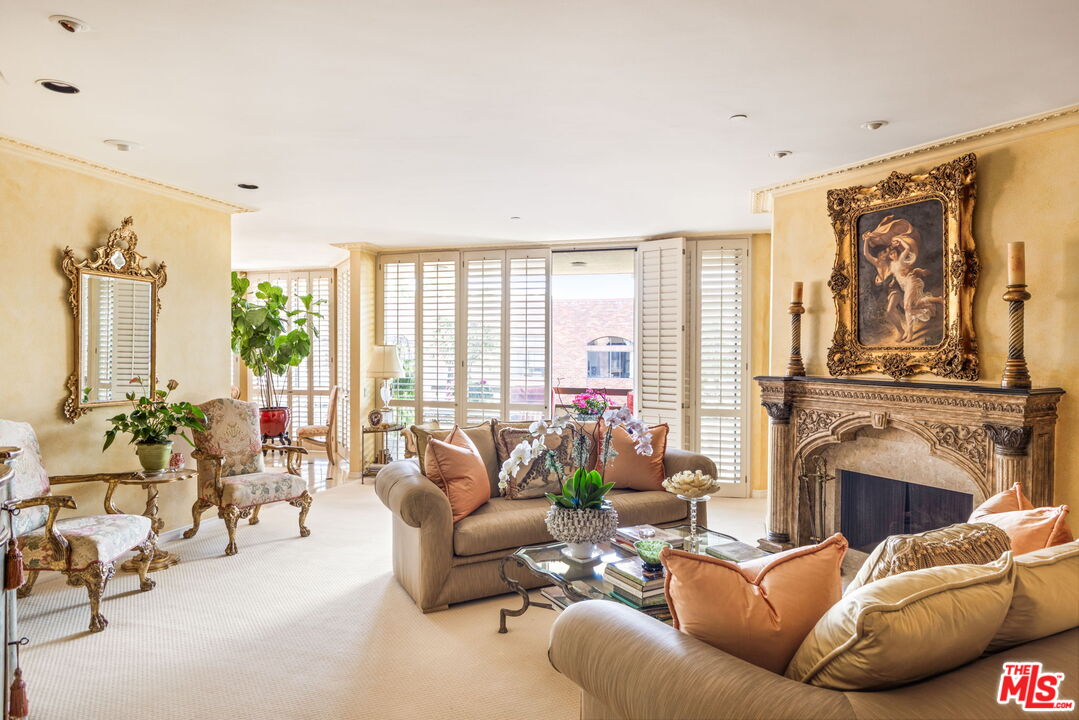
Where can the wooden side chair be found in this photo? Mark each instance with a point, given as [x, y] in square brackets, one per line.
[232, 475]
[323, 436]
[85, 549]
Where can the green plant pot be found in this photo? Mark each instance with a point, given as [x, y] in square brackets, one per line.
[154, 456]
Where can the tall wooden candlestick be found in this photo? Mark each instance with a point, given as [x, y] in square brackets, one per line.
[795, 366]
[1016, 374]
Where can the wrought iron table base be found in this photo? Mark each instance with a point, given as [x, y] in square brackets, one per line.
[526, 600]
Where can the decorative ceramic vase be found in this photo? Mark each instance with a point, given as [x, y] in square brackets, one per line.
[587, 417]
[273, 421]
[154, 456]
[581, 529]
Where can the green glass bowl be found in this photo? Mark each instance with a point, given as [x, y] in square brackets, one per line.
[649, 550]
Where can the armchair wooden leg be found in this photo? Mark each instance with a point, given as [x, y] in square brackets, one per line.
[95, 577]
[254, 516]
[28, 586]
[232, 516]
[197, 510]
[146, 556]
[331, 449]
[304, 503]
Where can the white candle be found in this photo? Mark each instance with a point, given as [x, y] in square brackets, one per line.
[796, 292]
[1017, 263]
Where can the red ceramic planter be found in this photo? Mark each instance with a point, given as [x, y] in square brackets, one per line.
[274, 421]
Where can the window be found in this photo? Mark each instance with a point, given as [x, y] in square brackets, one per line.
[471, 329]
[610, 357]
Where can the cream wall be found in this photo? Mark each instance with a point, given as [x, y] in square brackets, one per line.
[1028, 189]
[44, 209]
[363, 264]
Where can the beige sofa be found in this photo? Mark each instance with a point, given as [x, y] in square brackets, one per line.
[440, 563]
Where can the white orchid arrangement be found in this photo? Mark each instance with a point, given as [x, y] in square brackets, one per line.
[536, 447]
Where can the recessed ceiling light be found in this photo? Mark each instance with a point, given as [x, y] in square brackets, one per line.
[578, 263]
[739, 117]
[68, 23]
[874, 124]
[780, 154]
[124, 145]
[247, 186]
[515, 217]
[58, 86]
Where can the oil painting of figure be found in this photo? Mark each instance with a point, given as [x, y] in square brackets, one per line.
[901, 276]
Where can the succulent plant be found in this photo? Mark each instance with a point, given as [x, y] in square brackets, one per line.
[584, 490]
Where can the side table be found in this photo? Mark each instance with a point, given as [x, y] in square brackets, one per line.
[382, 455]
[150, 482]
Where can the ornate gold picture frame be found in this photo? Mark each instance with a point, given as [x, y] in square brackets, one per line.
[115, 302]
[905, 273]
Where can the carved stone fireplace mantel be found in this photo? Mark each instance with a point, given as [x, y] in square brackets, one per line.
[989, 437]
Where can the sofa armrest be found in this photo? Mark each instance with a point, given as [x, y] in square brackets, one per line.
[675, 461]
[411, 496]
[641, 668]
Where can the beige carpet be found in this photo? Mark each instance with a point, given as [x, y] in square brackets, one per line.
[290, 628]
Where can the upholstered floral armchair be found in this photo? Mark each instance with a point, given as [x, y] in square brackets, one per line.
[85, 549]
[232, 475]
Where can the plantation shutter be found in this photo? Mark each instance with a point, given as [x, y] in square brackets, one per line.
[438, 337]
[720, 404]
[343, 366]
[661, 286]
[399, 314]
[130, 335]
[527, 310]
[482, 365]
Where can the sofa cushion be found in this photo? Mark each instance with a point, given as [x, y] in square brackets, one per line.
[481, 436]
[906, 627]
[504, 524]
[630, 470]
[974, 543]
[533, 479]
[1045, 599]
[456, 467]
[759, 610]
[1029, 528]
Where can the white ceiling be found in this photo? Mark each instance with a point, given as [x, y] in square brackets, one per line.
[401, 122]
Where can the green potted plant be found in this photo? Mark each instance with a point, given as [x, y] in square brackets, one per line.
[262, 337]
[152, 422]
[580, 515]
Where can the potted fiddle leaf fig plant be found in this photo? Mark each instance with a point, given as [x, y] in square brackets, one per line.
[262, 337]
[152, 423]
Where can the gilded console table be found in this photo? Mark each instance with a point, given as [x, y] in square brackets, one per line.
[151, 483]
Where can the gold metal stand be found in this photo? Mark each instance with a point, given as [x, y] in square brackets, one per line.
[151, 483]
[1016, 374]
[795, 366]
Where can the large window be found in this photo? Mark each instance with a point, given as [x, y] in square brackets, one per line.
[471, 330]
[609, 357]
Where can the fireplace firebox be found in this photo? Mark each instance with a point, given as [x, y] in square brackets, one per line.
[872, 508]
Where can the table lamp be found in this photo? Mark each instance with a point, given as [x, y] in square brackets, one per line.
[385, 365]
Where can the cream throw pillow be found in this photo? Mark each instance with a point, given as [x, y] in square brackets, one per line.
[972, 543]
[906, 627]
[1046, 596]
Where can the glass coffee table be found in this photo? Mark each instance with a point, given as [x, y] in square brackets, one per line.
[577, 580]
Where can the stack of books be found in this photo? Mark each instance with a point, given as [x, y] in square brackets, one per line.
[632, 587]
[626, 536]
[736, 552]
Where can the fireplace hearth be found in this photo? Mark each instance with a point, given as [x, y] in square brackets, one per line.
[871, 508]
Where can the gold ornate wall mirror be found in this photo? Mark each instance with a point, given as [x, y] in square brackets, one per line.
[115, 302]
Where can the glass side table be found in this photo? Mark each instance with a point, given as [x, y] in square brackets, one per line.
[382, 456]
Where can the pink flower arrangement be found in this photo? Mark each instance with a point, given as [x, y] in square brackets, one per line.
[590, 402]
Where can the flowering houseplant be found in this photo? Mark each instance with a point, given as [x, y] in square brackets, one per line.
[152, 423]
[579, 514]
[590, 403]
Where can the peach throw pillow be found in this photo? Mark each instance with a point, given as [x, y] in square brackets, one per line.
[454, 464]
[1029, 528]
[761, 610]
[630, 470]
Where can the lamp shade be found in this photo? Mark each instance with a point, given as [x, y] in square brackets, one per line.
[385, 363]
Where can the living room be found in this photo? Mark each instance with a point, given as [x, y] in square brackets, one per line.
[488, 360]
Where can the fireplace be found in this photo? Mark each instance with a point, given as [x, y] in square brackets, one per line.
[871, 508]
[968, 441]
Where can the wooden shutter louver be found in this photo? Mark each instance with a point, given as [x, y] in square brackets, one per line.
[483, 336]
[527, 361]
[661, 334]
[438, 339]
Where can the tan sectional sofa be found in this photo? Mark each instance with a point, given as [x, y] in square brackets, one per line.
[440, 563]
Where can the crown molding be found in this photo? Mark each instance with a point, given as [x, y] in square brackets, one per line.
[19, 148]
[357, 246]
[761, 199]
